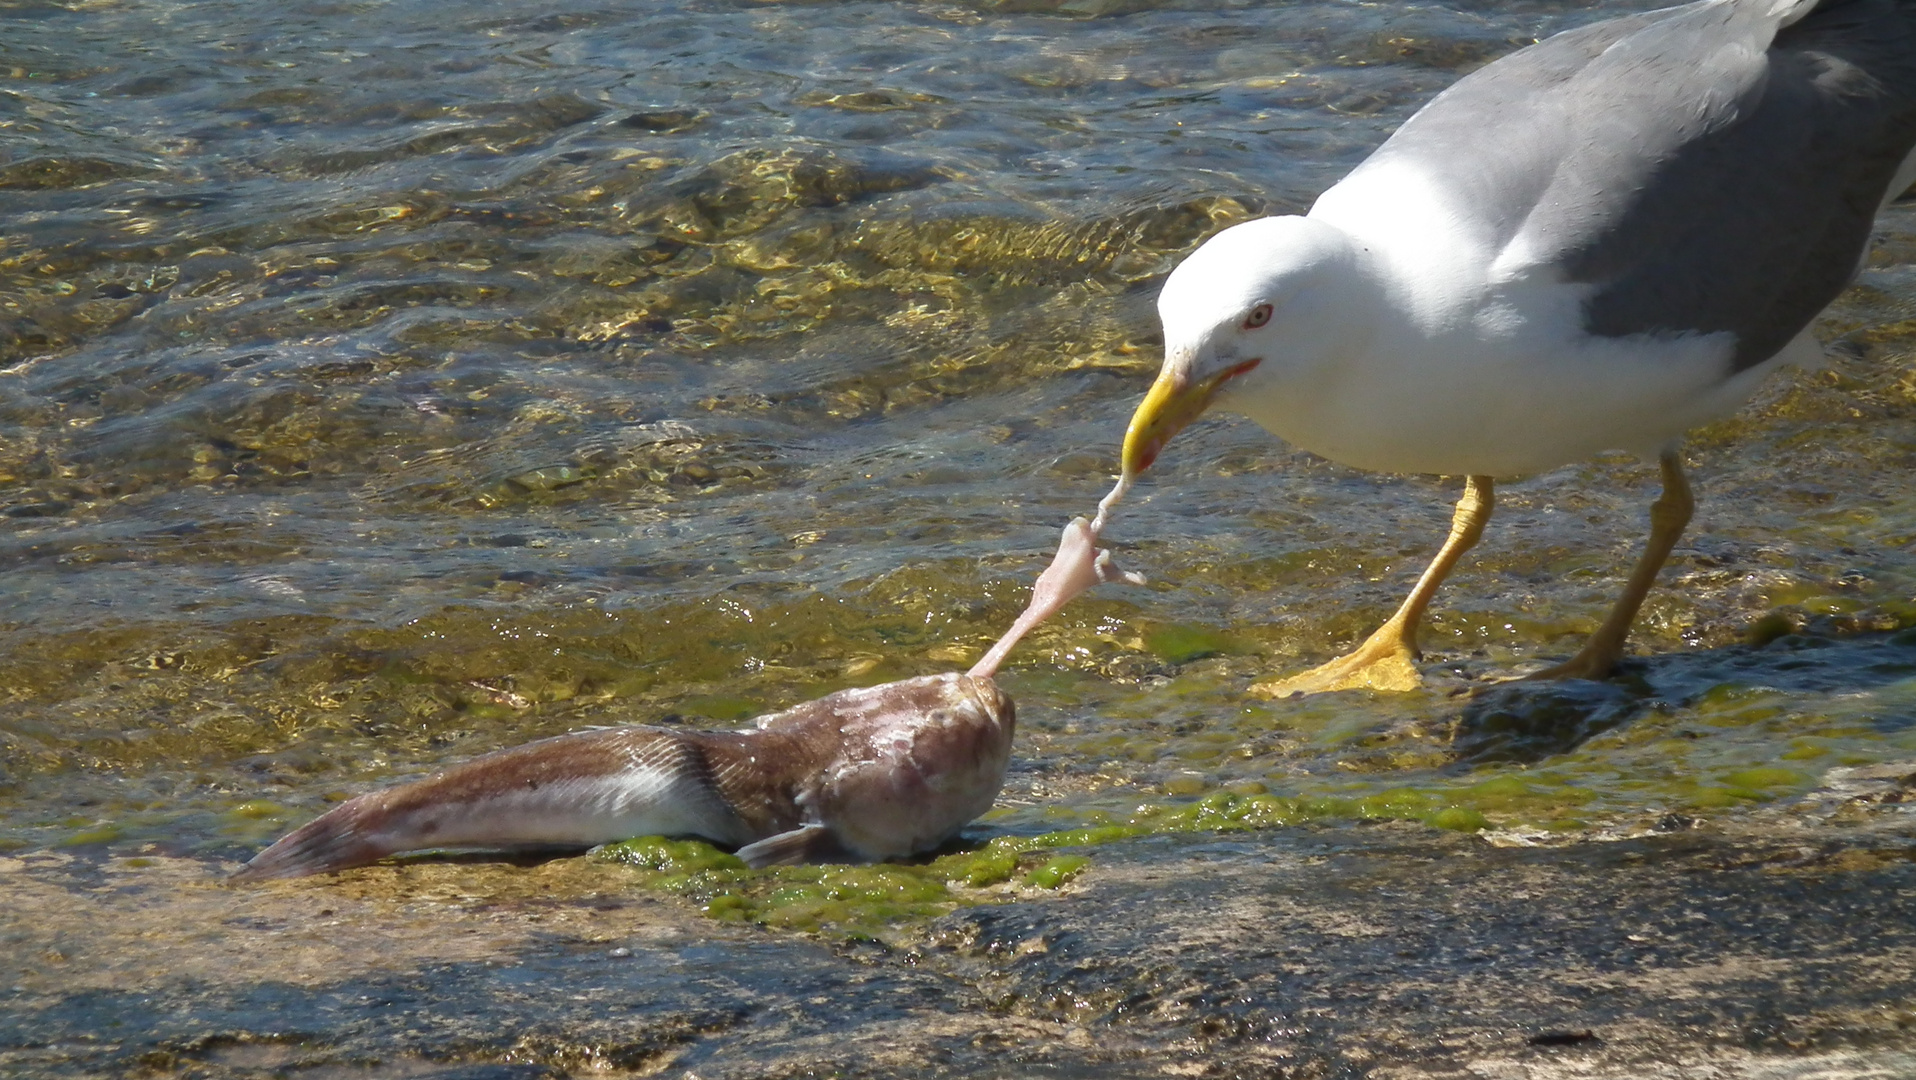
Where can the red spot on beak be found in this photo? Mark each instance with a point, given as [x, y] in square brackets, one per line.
[1171, 403]
[1148, 453]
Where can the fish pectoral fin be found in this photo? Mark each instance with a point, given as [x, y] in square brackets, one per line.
[800, 845]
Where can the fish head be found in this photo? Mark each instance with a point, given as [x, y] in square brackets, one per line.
[918, 760]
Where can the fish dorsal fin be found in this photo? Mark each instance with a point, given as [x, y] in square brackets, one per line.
[800, 845]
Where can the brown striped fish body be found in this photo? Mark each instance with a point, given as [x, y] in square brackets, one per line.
[872, 773]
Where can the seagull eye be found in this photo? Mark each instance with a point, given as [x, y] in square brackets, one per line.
[1259, 315]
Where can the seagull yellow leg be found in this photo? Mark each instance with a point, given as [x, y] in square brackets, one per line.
[1384, 660]
[1668, 516]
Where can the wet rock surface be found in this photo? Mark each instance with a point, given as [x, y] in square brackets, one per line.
[1782, 946]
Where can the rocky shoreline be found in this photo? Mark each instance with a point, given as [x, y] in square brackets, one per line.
[1780, 943]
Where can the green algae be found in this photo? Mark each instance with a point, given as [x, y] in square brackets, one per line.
[1056, 871]
[1730, 746]
[104, 833]
[1458, 819]
[676, 858]
[1562, 799]
[1181, 644]
[1722, 797]
[867, 899]
[863, 899]
[254, 809]
[839, 899]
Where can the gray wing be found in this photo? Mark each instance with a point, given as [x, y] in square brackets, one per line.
[1495, 139]
[1699, 168]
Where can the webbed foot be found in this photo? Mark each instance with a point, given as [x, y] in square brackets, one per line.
[1385, 661]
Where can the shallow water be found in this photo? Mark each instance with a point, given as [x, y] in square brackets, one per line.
[385, 383]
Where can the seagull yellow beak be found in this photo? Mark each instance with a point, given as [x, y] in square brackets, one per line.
[1173, 401]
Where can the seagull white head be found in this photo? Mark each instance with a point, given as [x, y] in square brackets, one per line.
[1254, 308]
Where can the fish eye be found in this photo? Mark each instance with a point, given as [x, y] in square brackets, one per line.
[1259, 315]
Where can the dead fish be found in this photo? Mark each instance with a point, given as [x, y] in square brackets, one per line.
[875, 773]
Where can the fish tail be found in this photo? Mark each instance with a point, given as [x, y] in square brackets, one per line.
[336, 840]
[568, 791]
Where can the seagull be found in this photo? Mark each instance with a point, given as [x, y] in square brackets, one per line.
[1595, 243]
